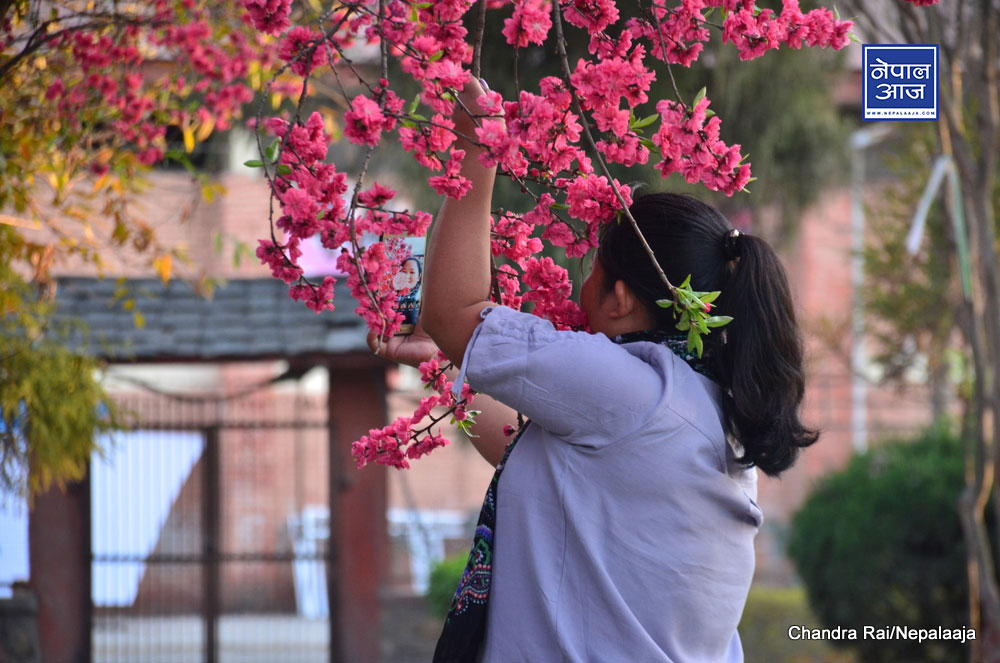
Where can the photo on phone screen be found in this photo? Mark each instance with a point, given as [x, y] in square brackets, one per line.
[406, 254]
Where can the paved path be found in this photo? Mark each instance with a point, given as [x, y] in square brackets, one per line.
[408, 636]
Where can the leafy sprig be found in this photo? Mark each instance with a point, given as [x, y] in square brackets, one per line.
[694, 307]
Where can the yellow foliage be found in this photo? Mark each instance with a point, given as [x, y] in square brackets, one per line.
[188, 139]
[205, 130]
[163, 265]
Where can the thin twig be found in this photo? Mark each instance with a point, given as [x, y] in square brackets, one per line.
[477, 45]
[561, 45]
[663, 49]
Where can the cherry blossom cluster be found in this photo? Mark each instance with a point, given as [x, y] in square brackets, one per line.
[410, 437]
[554, 141]
[678, 35]
[99, 80]
[689, 143]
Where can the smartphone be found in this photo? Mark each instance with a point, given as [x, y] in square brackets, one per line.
[406, 255]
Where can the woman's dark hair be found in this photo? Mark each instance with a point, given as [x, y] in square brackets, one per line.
[420, 267]
[757, 356]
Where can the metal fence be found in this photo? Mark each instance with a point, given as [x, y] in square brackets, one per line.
[210, 530]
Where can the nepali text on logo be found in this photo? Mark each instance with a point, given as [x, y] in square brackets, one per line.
[900, 82]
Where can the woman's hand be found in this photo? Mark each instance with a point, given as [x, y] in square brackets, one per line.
[412, 349]
[457, 274]
[468, 114]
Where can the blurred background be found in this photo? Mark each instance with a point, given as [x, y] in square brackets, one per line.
[228, 523]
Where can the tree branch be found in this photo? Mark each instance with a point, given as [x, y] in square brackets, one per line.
[564, 59]
[39, 35]
[477, 45]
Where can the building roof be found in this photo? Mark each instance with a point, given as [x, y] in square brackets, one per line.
[245, 319]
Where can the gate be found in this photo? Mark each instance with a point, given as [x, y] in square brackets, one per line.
[210, 532]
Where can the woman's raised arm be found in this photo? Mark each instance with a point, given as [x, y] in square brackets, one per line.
[457, 277]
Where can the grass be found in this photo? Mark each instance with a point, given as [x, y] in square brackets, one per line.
[764, 629]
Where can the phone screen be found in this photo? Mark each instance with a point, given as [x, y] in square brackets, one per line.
[406, 254]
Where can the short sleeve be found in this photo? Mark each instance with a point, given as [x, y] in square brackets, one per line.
[570, 383]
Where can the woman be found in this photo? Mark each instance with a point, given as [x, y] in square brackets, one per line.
[406, 283]
[620, 525]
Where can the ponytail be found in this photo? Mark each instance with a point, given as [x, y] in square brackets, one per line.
[761, 360]
[758, 356]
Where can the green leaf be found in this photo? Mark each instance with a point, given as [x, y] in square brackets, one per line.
[284, 169]
[418, 116]
[558, 206]
[718, 320]
[414, 105]
[271, 153]
[644, 122]
[254, 163]
[701, 95]
[238, 252]
[709, 297]
[695, 343]
[217, 241]
[709, 112]
[684, 324]
[437, 56]
[664, 303]
[648, 144]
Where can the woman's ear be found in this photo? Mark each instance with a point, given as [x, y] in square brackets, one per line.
[623, 303]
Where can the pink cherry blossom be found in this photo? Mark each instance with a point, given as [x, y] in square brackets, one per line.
[363, 124]
[591, 198]
[295, 49]
[269, 16]
[530, 23]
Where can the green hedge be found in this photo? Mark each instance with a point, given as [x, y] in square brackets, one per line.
[880, 543]
[443, 583]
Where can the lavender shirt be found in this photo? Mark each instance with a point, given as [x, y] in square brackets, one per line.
[624, 526]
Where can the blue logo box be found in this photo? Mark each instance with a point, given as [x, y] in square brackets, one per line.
[900, 81]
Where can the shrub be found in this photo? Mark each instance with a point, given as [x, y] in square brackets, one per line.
[880, 543]
[443, 583]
